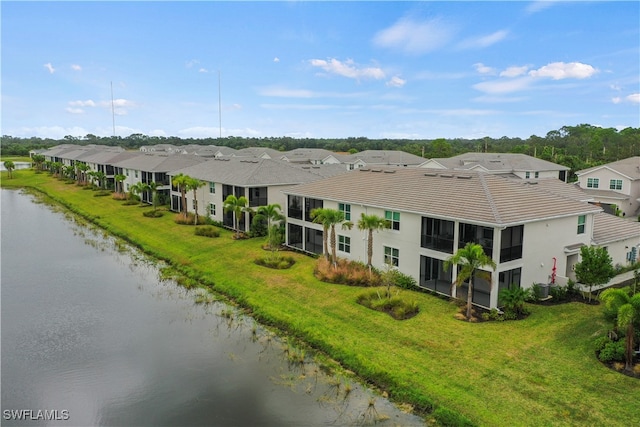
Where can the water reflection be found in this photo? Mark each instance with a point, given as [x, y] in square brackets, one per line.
[88, 327]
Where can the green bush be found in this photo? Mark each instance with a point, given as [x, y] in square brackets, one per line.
[405, 281]
[559, 293]
[397, 307]
[152, 214]
[448, 418]
[207, 231]
[613, 351]
[276, 262]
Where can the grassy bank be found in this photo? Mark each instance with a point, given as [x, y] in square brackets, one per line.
[537, 372]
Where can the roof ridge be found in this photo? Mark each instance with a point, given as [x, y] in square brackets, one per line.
[487, 192]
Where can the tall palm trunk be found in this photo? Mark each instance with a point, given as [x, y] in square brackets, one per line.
[325, 241]
[469, 293]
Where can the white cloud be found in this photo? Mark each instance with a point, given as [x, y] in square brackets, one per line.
[276, 59]
[348, 69]
[415, 37]
[634, 98]
[76, 67]
[396, 82]
[564, 70]
[74, 110]
[616, 100]
[87, 103]
[514, 71]
[504, 86]
[483, 69]
[484, 41]
[49, 67]
[203, 70]
[539, 5]
[286, 93]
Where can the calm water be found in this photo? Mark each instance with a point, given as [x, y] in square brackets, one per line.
[91, 334]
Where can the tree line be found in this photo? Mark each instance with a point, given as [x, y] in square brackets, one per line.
[577, 147]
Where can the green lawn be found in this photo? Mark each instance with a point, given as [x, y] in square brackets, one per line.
[539, 371]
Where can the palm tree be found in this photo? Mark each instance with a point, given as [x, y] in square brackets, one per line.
[119, 179]
[321, 216]
[137, 188]
[39, 160]
[329, 218]
[471, 259]
[627, 308]
[68, 171]
[237, 205]
[194, 184]
[152, 186]
[56, 168]
[101, 177]
[371, 223]
[82, 169]
[9, 166]
[181, 181]
[270, 213]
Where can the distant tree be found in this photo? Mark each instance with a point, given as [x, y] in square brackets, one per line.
[471, 260]
[595, 268]
[9, 166]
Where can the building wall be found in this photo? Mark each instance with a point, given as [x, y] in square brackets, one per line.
[629, 188]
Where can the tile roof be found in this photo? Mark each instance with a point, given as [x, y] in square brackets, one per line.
[469, 196]
[629, 167]
[259, 172]
[385, 157]
[150, 162]
[557, 187]
[499, 162]
[609, 228]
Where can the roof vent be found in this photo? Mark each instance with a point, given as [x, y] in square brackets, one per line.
[446, 175]
[430, 174]
[463, 176]
[388, 171]
[376, 170]
[363, 169]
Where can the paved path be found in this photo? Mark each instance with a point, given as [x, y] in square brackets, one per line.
[620, 278]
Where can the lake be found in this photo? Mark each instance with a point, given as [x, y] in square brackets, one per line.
[92, 336]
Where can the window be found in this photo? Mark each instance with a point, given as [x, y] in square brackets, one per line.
[511, 243]
[346, 210]
[615, 184]
[309, 205]
[294, 208]
[212, 187]
[537, 175]
[437, 234]
[257, 196]
[582, 219]
[593, 182]
[527, 175]
[434, 276]
[212, 209]
[393, 218]
[126, 172]
[470, 233]
[391, 256]
[295, 236]
[344, 244]
[136, 173]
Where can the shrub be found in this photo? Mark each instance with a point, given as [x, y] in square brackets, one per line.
[404, 281]
[350, 273]
[535, 293]
[152, 214]
[559, 293]
[397, 307]
[276, 262]
[612, 352]
[182, 220]
[513, 300]
[207, 231]
[446, 417]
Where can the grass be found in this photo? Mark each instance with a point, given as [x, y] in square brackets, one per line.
[540, 371]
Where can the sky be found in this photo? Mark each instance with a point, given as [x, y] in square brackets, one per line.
[307, 69]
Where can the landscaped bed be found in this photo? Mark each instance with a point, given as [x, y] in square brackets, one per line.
[537, 371]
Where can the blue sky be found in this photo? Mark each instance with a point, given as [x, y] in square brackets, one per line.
[318, 69]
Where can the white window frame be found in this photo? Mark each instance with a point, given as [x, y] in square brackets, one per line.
[392, 255]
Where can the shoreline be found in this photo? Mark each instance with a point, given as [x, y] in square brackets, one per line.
[430, 362]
